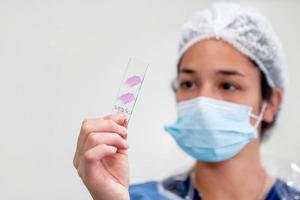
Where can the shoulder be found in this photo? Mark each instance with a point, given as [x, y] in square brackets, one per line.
[144, 191]
[174, 187]
[281, 190]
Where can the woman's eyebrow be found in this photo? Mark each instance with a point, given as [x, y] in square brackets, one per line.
[230, 73]
[187, 71]
[223, 72]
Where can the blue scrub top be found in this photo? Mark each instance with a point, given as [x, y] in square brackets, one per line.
[180, 187]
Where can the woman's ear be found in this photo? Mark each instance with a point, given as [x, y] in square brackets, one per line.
[273, 105]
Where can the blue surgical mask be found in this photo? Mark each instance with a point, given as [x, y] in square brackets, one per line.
[212, 130]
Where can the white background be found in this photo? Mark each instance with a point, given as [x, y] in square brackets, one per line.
[62, 61]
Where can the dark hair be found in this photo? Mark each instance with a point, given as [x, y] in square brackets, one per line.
[266, 93]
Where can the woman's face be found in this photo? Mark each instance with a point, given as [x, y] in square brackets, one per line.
[213, 68]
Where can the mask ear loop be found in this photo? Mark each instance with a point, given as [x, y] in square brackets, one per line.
[259, 118]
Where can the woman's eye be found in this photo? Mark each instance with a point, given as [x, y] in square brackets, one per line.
[229, 86]
[187, 84]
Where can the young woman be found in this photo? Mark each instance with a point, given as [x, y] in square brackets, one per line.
[230, 87]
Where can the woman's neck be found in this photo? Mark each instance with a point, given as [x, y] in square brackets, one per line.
[241, 177]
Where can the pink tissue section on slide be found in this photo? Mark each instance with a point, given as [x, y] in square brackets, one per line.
[134, 80]
[127, 98]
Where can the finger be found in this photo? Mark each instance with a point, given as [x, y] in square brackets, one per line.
[89, 161]
[102, 125]
[119, 118]
[96, 125]
[111, 139]
[98, 152]
[123, 151]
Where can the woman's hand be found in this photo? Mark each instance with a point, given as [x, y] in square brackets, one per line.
[101, 157]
